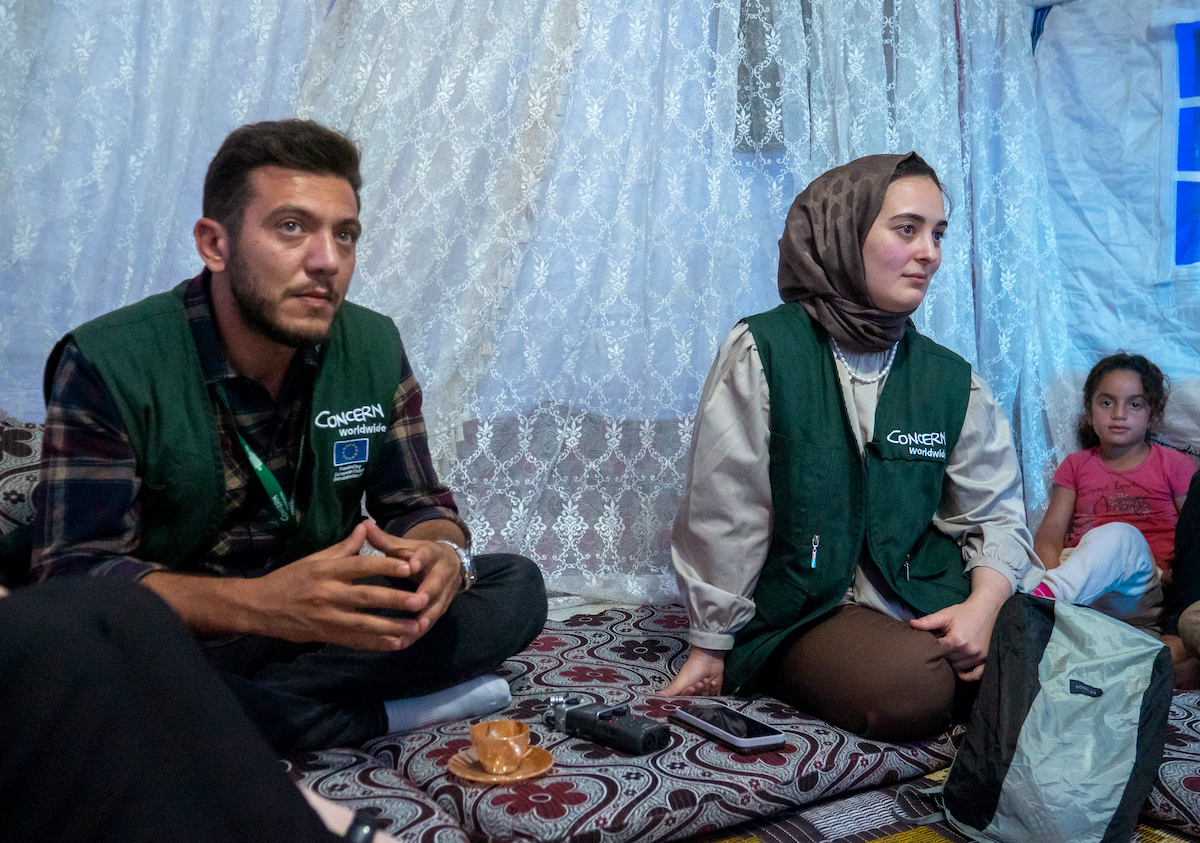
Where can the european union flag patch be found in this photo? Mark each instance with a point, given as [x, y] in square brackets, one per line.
[351, 452]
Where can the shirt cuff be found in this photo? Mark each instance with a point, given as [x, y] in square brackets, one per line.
[710, 640]
[981, 560]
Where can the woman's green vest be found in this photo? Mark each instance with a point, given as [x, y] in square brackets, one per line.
[834, 506]
[147, 358]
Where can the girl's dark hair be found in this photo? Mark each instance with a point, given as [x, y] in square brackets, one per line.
[1156, 388]
[914, 165]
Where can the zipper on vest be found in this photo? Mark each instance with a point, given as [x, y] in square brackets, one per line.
[907, 556]
[816, 539]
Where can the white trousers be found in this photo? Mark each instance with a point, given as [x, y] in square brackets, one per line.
[1112, 571]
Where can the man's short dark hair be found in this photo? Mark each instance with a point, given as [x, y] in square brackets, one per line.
[295, 144]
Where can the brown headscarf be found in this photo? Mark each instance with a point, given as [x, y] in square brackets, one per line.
[820, 253]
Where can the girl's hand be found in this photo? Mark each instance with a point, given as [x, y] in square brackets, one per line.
[701, 674]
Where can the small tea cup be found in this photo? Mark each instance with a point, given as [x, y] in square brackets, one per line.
[500, 744]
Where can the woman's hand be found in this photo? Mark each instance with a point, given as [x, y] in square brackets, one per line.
[965, 629]
[700, 675]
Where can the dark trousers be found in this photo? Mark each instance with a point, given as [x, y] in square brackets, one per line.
[871, 675]
[314, 696]
[1184, 588]
[113, 727]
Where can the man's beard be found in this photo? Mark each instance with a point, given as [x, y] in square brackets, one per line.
[258, 310]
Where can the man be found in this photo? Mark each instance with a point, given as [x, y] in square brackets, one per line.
[215, 443]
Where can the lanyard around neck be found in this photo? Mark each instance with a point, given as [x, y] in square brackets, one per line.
[285, 505]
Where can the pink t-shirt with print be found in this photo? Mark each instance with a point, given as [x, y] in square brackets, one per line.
[1143, 496]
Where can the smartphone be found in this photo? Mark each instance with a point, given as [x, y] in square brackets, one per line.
[729, 727]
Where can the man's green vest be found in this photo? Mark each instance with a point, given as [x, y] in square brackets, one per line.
[148, 359]
[834, 506]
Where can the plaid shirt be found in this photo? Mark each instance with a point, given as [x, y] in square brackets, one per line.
[87, 505]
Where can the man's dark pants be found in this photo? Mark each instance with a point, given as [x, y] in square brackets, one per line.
[314, 696]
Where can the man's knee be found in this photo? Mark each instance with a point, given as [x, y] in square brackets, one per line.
[515, 590]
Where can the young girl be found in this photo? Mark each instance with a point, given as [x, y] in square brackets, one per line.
[1108, 538]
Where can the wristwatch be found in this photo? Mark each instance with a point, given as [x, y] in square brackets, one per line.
[362, 828]
[468, 564]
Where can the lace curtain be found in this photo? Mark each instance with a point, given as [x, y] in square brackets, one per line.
[112, 112]
[567, 206]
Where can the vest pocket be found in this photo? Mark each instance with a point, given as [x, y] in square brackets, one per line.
[933, 554]
[936, 578]
[180, 506]
[902, 499]
[784, 586]
[810, 523]
[801, 474]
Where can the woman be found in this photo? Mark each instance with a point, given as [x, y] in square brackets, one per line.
[853, 518]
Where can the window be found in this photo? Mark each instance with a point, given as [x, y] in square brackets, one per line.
[1187, 158]
[1179, 270]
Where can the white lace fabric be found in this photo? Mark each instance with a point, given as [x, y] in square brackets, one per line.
[567, 204]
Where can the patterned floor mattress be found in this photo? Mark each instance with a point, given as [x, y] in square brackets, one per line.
[872, 817]
[692, 788]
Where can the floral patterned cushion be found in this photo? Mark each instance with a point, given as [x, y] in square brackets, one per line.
[20, 450]
[621, 655]
[357, 780]
[692, 786]
[878, 816]
[1175, 798]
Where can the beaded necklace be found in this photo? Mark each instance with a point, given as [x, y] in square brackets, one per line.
[855, 376]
